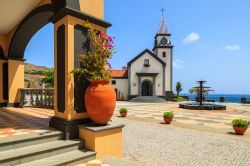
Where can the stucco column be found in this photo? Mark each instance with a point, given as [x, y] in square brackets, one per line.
[15, 81]
[69, 108]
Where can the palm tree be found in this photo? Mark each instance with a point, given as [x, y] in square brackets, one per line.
[178, 88]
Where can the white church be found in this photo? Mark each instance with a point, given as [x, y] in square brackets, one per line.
[149, 74]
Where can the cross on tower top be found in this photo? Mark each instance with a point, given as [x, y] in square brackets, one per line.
[162, 11]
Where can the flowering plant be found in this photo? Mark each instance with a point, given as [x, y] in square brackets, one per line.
[94, 60]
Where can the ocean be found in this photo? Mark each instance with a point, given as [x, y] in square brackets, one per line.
[229, 98]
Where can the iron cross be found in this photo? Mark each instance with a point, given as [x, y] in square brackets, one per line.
[163, 10]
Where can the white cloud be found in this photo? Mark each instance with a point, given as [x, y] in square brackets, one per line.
[235, 47]
[178, 64]
[190, 38]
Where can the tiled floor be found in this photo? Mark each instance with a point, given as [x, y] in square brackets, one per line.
[17, 121]
[201, 118]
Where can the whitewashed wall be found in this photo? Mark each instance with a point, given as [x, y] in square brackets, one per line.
[122, 87]
[138, 67]
[168, 68]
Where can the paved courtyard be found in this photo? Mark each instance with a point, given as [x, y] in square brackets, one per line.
[202, 120]
[164, 145]
[194, 138]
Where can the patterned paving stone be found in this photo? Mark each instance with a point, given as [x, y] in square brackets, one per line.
[18, 121]
[212, 119]
[207, 121]
[162, 145]
[183, 118]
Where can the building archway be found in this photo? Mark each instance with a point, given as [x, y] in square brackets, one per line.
[147, 88]
[68, 17]
[30, 25]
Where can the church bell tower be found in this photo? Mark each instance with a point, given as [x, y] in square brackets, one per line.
[164, 50]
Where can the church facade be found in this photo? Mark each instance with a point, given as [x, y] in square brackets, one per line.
[150, 73]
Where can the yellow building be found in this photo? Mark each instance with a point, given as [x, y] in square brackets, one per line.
[19, 22]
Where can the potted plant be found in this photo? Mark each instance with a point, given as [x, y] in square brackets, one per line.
[168, 117]
[123, 112]
[240, 126]
[100, 97]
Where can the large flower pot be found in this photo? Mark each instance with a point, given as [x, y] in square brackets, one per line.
[168, 120]
[100, 100]
[123, 114]
[240, 130]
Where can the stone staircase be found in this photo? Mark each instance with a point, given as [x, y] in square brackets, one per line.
[148, 99]
[42, 149]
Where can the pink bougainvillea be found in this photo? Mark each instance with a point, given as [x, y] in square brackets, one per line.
[94, 60]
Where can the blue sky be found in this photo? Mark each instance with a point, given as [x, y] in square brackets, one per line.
[211, 39]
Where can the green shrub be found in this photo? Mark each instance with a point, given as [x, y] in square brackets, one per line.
[123, 110]
[240, 123]
[178, 98]
[168, 114]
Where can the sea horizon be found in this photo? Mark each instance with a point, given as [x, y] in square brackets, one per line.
[229, 98]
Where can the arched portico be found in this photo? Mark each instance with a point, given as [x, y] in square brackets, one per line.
[68, 17]
[31, 24]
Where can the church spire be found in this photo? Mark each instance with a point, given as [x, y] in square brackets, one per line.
[163, 29]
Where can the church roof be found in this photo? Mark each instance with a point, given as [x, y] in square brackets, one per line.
[150, 53]
[119, 73]
[163, 29]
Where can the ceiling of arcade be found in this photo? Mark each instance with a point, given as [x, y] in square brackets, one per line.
[13, 11]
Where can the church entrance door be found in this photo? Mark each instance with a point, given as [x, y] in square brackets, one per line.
[147, 89]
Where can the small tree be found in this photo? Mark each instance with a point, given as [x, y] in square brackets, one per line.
[192, 90]
[178, 88]
[49, 78]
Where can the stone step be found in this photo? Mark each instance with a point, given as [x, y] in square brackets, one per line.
[39, 151]
[148, 99]
[70, 158]
[29, 139]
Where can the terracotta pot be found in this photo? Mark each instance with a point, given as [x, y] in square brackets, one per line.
[168, 120]
[123, 114]
[239, 130]
[100, 100]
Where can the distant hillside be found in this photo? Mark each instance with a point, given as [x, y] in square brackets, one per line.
[33, 69]
[33, 75]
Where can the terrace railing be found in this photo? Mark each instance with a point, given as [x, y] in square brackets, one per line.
[222, 99]
[40, 98]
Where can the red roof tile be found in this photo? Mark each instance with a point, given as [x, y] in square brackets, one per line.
[119, 73]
